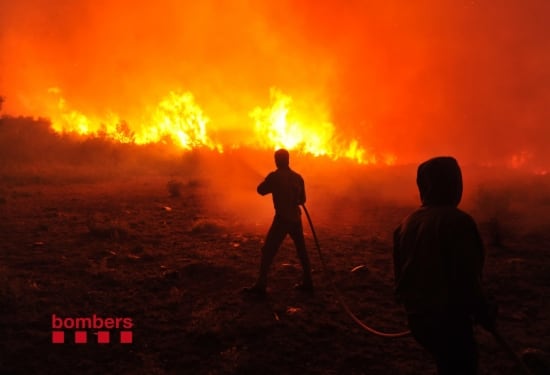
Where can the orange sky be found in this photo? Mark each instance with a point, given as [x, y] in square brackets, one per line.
[468, 78]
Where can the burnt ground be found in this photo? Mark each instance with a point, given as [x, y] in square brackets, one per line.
[162, 249]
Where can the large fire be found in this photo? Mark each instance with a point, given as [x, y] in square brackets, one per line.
[310, 132]
[369, 82]
[178, 119]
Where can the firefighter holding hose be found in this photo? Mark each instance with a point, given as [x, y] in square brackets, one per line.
[288, 192]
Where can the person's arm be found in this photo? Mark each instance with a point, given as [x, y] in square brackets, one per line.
[469, 259]
[486, 307]
[463, 257]
[266, 186]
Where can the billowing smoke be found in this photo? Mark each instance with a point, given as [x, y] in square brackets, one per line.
[414, 79]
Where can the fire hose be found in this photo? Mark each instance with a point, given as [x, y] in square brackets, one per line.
[498, 337]
[339, 295]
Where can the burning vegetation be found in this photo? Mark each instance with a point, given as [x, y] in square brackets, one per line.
[369, 82]
[177, 119]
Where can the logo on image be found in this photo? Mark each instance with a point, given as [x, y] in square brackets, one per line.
[106, 330]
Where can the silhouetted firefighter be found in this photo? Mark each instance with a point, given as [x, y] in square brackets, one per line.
[288, 191]
[438, 261]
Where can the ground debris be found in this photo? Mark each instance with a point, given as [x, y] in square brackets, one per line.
[291, 310]
[362, 268]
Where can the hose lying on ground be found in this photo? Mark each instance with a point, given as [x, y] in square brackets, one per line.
[339, 294]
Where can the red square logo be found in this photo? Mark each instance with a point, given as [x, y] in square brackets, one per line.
[81, 337]
[58, 337]
[126, 337]
[103, 337]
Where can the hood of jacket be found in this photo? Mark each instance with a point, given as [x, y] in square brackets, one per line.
[439, 181]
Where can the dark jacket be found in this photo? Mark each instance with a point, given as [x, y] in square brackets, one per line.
[288, 191]
[438, 252]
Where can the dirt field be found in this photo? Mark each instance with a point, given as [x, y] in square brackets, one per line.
[170, 244]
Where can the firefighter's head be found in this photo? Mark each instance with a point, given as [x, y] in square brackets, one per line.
[282, 158]
[439, 181]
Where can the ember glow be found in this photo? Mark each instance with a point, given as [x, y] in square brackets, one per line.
[374, 82]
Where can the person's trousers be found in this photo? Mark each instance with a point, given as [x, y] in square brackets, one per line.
[279, 229]
[449, 337]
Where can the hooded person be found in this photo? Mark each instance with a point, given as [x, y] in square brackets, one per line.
[438, 261]
[288, 193]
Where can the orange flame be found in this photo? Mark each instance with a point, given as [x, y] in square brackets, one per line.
[178, 119]
[307, 131]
